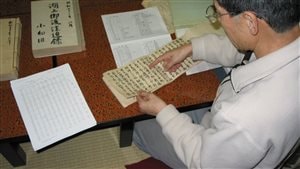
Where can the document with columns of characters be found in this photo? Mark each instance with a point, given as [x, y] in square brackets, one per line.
[126, 81]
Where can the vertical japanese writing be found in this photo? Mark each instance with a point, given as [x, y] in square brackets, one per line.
[68, 5]
[40, 33]
[138, 76]
[9, 31]
[55, 24]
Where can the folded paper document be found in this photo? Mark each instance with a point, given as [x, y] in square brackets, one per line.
[135, 33]
[126, 81]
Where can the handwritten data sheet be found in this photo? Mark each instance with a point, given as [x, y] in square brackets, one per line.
[135, 33]
[52, 106]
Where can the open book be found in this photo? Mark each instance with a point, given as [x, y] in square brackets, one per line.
[56, 27]
[126, 81]
[52, 106]
[135, 33]
[10, 38]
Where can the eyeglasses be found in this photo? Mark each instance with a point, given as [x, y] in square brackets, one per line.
[212, 15]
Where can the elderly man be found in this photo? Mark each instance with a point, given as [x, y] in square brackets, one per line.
[255, 118]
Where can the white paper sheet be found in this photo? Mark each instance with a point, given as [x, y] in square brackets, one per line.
[52, 106]
[201, 67]
[135, 33]
[126, 52]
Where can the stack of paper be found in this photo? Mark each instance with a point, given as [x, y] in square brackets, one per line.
[56, 27]
[10, 37]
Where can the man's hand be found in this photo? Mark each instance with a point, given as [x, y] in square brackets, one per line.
[172, 60]
[150, 103]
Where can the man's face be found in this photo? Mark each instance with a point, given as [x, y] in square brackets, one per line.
[233, 27]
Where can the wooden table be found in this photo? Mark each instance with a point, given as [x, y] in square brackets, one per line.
[187, 92]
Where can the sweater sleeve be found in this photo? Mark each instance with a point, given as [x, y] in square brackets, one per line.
[224, 145]
[215, 49]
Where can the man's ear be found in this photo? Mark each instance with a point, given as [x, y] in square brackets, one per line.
[252, 22]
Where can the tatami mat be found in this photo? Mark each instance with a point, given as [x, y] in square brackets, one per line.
[92, 150]
[97, 149]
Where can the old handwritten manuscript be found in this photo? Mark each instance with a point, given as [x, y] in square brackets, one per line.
[126, 81]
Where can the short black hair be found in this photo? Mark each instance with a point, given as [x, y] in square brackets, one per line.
[281, 15]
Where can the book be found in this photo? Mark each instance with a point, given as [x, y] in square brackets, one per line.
[135, 33]
[52, 106]
[56, 28]
[10, 38]
[126, 81]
